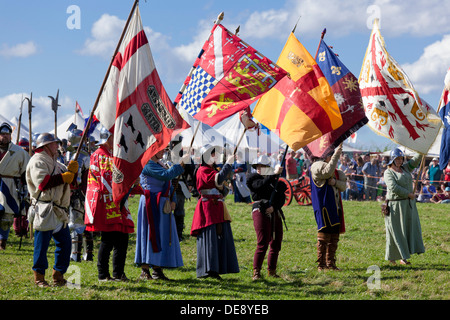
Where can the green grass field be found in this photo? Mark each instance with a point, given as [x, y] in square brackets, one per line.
[365, 274]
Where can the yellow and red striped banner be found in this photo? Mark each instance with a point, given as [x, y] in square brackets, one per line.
[302, 107]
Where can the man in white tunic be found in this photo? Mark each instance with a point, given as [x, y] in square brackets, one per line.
[48, 182]
[13, 163]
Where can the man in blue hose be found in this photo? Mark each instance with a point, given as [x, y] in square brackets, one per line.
[327, 183]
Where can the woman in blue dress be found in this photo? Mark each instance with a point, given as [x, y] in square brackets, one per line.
[157, 243]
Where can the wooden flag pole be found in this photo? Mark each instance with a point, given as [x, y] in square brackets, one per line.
[320, 42]
[419, 174]
[239, 142]
[83, 138]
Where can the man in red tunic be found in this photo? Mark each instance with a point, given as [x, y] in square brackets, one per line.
[102, 215]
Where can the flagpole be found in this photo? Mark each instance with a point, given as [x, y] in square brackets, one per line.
[239, 142]
[320, 42]
[419, 174]
[83, 138]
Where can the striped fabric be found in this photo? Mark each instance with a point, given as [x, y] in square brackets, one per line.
[136, 108]
[302, 108]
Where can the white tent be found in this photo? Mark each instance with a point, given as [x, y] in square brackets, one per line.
[14, 122]
[78, 120]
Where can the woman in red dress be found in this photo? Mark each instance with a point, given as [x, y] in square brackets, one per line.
[216, 253]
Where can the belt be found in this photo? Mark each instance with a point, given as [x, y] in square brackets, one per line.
[210, 192]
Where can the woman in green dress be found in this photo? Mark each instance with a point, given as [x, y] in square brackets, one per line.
[403, 231]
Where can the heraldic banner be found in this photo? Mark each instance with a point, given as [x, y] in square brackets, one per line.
[135, 107]
[227, 77]
[302, 108]
[348, 97]
[391, 103]
[444, 113]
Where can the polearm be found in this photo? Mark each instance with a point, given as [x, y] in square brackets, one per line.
[19, 122]
[274, 192]
[30, 149]
[83, 137]
[55, 106]
[30, 107]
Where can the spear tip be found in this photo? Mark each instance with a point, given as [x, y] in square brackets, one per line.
[219, 18]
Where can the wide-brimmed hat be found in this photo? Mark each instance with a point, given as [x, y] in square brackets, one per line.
[208, 149]
[262, 160]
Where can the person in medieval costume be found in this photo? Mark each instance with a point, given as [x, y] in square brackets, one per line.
[80, 237]
[240, 189]
[216, 253]
[268, 196]
[13, 163]
[183, 184]
[327, 183]
[48, 183]
[157, 243]
[403, 230]
[102, 214]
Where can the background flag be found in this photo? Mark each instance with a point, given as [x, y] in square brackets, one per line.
[301, 108]
[228, 76]
[136, 108]
[78, 108]
[392, 105]
[444, 113]
[348, 97]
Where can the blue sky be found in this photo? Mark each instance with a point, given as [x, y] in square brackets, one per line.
[40, 53]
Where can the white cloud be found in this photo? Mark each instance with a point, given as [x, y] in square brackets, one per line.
[399, 17]
[428, 72]
[42, 115]
[21, 50]
[105, 34]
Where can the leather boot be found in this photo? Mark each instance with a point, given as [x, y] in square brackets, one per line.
[39, 280]
[322, 241]
[256, 274]
[58, 279]
[2, 244]
[158, 274]
[272, 273]
[331, 252]
[145, 274]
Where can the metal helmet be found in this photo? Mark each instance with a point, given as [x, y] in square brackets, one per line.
[44, 139]
[5, 127]
[104, 135]
[23, 142]
[262, 160]
[74, 137]
[395, 154]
